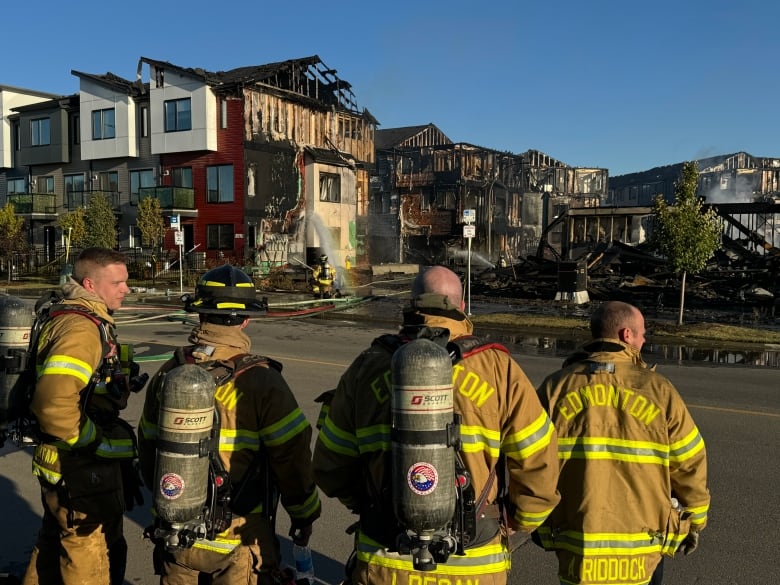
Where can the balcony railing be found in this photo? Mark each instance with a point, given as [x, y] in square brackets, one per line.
[33, 202]
[170, 197]
[76, 199]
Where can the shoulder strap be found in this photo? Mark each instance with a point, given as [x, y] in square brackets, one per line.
[469, 345]
[109, 346]
[390, 341]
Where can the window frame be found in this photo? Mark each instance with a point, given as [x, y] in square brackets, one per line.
[182, 177]
[104, 124]
[220, 236]
[13, 185]
[219, 188]
[174, 118]
[330, 187]
[144, 121]
[40, 132]
[137, 179]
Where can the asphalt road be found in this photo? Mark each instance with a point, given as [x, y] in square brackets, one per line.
[736, 408]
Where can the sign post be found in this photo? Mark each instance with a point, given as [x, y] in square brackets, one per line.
[469, 231]
[178, 239]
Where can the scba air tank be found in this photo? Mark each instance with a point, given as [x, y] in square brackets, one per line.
[184, 425]
[16, 320]
[423, 467]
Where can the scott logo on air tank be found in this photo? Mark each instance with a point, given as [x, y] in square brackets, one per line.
[418, 399]
[189, 421]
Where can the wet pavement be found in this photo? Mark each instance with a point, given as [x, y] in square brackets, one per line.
[388, 309]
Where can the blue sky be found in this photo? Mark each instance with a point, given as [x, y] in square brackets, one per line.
[623, 85]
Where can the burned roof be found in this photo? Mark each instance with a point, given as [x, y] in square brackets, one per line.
[396, 137]
[307, 77]
[112, 81]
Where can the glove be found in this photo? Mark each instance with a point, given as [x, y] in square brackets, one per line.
[301, 535]
[690, 543]
[131, 483]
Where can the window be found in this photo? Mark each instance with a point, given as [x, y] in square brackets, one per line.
[219, 184]
[219, 236]
[45, 185]
[107, 181]
[17, 186]
[182, 177]
[178, 115]
[140, 180]
[144, 122]
[74, 183]
[103, 126]
[76, 125]
[330, 187]
[134, 237]
[41, 131]
[223, 114]
[74, 190]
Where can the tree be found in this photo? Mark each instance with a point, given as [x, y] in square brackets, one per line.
[150, 221]
[101, 223]
[74, 228]
[685, 234]
[11, 235]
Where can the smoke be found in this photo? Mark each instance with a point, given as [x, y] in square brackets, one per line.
[732, 189]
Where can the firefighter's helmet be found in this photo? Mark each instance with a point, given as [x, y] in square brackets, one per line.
[323, 259]
[226, 294]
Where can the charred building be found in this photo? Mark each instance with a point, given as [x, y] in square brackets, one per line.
[424, 182]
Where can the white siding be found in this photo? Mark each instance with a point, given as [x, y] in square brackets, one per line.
[203, 135]
[94, 96]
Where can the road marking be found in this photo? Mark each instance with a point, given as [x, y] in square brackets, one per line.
[735, 410]
[284, 358]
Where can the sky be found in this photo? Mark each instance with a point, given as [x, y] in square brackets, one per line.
[614, 84]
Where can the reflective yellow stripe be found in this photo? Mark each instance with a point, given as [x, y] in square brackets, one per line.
[87, 434]
[220, 545]
[50, 476]
[481, 560]
[531, 519]
[67, 366]
[231, 306]
[602, 543]
[687, 447]
[605, 448]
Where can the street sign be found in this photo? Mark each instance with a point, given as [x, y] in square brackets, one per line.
[175, 223]
[469, 231]
[469, 216]
[178, 237]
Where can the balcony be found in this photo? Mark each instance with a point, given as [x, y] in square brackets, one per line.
[33, 203]
[179, 199]
[76, 199]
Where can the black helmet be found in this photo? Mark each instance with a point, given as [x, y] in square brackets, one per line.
[226, 293]
[324, 258]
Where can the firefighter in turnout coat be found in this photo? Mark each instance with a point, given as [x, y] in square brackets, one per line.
[633, 477]
[87, 448]
[263, 434]
[323, 276]
[502, 420]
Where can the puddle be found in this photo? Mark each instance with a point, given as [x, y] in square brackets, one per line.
[651, 352]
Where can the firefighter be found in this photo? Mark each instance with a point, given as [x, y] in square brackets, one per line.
[263, 442]
[88, 451]
[633, 463]
[509, 444]
[323, 276]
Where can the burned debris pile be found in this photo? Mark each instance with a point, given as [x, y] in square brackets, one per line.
[736, 286]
